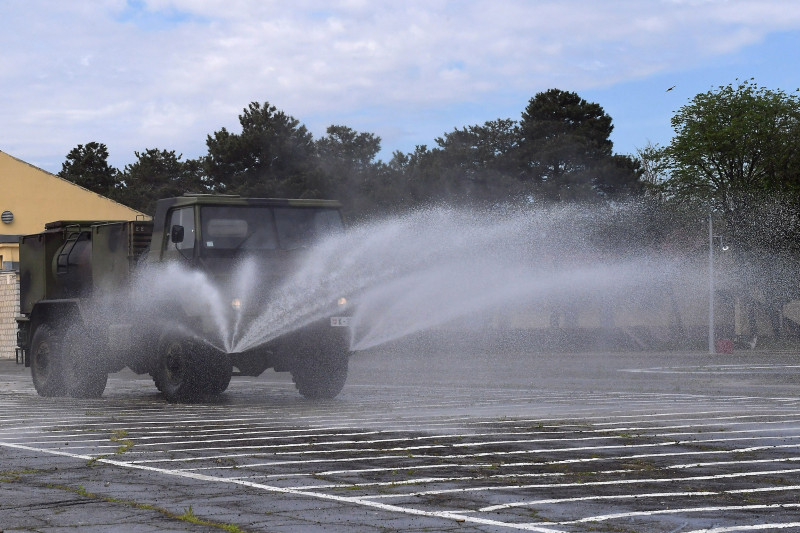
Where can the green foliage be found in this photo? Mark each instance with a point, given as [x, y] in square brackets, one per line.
[736, 149]
[733, 144]
[274, 155]
[565, 150]
[87, 166]
[477, 164]
[158, 174]
[346, 159]
[559, 151]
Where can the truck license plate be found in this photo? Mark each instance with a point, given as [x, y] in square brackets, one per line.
[340, 321]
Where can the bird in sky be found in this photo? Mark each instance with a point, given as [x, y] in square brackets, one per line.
[668, 90]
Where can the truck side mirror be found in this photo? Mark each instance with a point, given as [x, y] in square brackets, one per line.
[176, 234]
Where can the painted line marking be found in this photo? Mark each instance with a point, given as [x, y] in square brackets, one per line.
[476, 465]
[727, 508]
[431, 480]
[751, 527]
[530, 503]
[585, 484]
[442, 446]
[465, 456]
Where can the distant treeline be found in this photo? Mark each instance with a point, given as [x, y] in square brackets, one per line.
[559, 150]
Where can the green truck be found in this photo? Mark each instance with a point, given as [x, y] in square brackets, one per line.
[99, 296]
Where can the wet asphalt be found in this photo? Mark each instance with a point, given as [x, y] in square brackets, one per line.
[483, 441]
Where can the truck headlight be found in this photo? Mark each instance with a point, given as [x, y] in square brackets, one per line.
[342, 301]
[236, 303]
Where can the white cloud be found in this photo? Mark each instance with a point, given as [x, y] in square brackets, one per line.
[165, 73]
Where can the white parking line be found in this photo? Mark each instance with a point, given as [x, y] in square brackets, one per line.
[397, 468]
[411, 449]
[516, 475]
[726, 508]
[637, 496]
[749, 527]
[639, 481]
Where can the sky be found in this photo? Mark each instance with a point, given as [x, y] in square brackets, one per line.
[165, 74]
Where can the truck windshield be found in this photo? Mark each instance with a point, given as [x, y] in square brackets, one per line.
[250, 228]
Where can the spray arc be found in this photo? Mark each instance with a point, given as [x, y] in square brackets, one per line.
[457, 271]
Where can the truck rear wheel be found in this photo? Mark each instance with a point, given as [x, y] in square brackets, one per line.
[320, 371]
[62, 364]
[84, 374]
[46, 363]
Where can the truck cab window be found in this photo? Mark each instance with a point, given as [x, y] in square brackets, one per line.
[301, 227]
[237, 228]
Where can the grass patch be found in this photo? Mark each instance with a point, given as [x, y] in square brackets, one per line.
[14, 475]
[118, 437]
[187, 515]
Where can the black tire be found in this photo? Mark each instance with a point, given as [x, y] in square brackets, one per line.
[216, 370]
[46, 362]
[174, 375]
[187, 370]
[320, 370]
[84, 374]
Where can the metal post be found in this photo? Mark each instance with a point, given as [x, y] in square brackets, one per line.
[710, 285]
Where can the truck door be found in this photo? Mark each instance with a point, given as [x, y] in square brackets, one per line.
[184, 218]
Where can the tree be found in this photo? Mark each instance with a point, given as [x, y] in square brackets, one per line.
[489, 146]
[347, 160]
[735, 149]
[272, 156]
[733, 144]
[87, 166]
[566, 151]
[477, 162]
[471, 165]
[158, 174]
[408, 175]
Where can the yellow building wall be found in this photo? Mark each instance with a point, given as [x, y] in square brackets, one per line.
[36, 197]
[9, 251]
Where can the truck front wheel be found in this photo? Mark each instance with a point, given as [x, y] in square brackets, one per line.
[187, 370]
[320, 370]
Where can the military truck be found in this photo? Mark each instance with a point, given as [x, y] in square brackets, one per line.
[91, 305]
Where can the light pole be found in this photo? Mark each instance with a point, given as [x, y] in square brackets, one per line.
[723, 247]
[710, 284]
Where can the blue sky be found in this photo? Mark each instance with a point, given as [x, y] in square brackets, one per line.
[164, 74]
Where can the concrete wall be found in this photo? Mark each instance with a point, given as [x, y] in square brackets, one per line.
[9, 309]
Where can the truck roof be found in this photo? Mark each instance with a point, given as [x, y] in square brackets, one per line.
[61, 224]
[231, 199]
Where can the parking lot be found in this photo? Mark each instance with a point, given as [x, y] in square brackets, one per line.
[445, 442]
